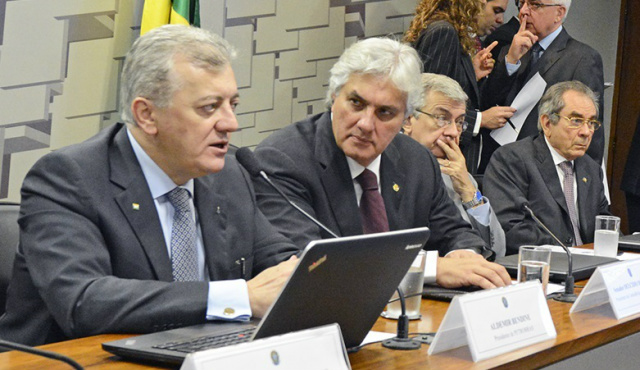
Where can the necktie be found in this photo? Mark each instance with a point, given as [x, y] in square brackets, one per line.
[536, 50]
[183, 237]
[567, 169]
[372, 211]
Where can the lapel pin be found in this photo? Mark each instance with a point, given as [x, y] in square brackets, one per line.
[218, 209]
[396, 188]
[135, 206]
[584, 179]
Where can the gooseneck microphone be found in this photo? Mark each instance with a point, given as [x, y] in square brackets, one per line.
[39, 352]
[248, 160]
[568, 295]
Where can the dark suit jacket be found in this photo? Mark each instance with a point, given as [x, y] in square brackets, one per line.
[441, 53]
[304, 160]
[90, 263]
[565, 59]
[524, 172]
[503, 34]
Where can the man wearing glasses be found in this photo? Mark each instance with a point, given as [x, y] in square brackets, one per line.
[551, 173]
[349, 167]
[437, 125]
[542, 45]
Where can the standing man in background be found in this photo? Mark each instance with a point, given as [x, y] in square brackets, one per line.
[543, 46]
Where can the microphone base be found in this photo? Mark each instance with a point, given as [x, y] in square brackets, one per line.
[401, 344]
[564, 297]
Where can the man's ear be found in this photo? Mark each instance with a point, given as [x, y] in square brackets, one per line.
[545, 122]
[144, 113]
[407, 126]
[561, 11]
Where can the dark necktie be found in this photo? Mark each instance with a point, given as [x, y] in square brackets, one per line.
[536, 51]
[183, 237]
[372, 211]
[567, 169]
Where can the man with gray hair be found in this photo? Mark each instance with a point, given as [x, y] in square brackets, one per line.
[551, 173]
[437, 125]
[148, 225]
[349, 167]
[542, 45]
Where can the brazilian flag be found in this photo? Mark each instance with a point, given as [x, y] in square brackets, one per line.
[159, 12]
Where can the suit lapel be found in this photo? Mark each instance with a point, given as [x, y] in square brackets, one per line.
[137, 206]
[552, 54]
[212, 210]
[336, 180]
[467, 65]
[548, 171]
[585, 197]
[392, 183]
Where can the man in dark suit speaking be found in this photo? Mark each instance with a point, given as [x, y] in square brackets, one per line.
[147, 226]
[551, 173]
[542, 45]
[351, 169]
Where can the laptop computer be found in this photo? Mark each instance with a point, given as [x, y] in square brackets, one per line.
[629, 243]
[332, 283]
[583, 265]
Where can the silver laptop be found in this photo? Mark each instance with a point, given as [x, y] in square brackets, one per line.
[629, 243]
[345, 280]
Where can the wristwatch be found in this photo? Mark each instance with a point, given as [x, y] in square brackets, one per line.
[476, 200]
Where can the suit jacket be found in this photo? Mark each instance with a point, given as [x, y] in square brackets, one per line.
[565, 59]
[305, 161]
[441, 53]
[503, 34]
[492, 234]
[90, 261]
[524, 171]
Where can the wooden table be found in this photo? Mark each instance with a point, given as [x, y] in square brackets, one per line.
[577, 333]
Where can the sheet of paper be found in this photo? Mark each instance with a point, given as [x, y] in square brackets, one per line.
[524, 102]
[376, 336]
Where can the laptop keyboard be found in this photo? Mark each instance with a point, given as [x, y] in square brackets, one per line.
[208, 342]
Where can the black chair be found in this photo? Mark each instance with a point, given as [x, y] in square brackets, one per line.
[8, 245]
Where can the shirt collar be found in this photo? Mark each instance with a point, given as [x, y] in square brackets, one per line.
[356, 168]
[159, 182]
[545, 42]
[557, 157]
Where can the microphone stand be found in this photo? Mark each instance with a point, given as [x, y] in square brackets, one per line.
[402, 340]
[568, 296]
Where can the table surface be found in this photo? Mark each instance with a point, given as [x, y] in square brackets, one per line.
[577, 332]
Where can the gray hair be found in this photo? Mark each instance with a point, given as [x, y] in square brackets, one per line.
[381, 57]
[565, 3]
[148, 67]
[445, 85]
[553, 102]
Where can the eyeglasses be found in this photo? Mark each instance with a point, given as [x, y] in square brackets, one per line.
[442, 121]
[535, 5]
[577, 122]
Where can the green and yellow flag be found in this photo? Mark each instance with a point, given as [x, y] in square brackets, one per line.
[159, 12]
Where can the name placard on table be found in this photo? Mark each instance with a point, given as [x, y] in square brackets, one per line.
[493, 322]
[617, 284]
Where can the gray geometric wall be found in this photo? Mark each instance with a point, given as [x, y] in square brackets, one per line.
[60, 61]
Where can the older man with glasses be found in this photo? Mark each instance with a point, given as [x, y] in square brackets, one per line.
[551, 173]
[437, 125]
[543, 46]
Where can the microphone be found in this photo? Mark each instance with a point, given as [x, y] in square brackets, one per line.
[568, 295]
[39, 352]
[248, 160]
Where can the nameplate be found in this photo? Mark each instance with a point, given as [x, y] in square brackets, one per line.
[317, 349]
[496, 321]
[617, 284]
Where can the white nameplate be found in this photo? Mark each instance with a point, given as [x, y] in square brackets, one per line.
[496, 321]
[317, 349]
[617, 284]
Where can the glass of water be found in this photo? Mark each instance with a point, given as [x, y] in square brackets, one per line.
[411, 284]
[533, 264]
[605, 240]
